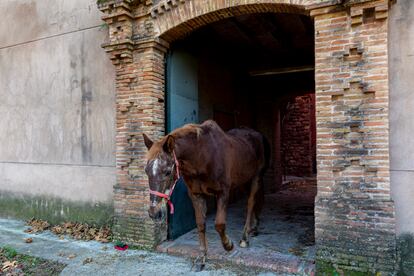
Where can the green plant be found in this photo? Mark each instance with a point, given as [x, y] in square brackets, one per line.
[103, 26]
[101, 1]
[119, 243]
[9, 252]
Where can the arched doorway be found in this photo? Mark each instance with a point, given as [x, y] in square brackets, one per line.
[254, 70]
[351, 92]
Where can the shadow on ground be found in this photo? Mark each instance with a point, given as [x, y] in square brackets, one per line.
[285, 243]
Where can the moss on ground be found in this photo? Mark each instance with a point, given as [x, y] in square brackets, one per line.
[327, 269]
[13, 263]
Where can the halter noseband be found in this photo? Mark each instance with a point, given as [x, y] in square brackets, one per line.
[167, 197]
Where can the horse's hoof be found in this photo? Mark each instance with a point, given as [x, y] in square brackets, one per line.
[229, 246]
[244, 243]
[198, 267]
[199, 264]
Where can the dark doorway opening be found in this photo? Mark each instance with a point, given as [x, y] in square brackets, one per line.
[255, 70]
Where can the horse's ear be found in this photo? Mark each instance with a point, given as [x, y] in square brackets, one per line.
[148, 142]
[169, 144]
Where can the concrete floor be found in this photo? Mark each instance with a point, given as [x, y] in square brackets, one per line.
[104, 259]
[285, 243]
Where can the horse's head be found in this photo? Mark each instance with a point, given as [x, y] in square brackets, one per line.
[160, 170]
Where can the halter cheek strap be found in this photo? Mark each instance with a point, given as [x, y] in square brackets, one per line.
[167, 197]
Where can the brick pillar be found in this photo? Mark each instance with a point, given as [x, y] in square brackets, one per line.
[139, 62]
[354, 213]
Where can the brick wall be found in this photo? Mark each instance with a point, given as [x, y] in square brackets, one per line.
[140, 108]
[354, 213]
[139, 62]
[297, 134]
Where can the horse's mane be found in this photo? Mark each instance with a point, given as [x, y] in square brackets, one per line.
[186, 130]
[197, 129]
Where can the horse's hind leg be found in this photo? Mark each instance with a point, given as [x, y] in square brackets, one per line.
[258, 206]
[251, 216]
[200, 209]
[221, 214]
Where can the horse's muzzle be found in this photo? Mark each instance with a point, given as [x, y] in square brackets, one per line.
[155, 213]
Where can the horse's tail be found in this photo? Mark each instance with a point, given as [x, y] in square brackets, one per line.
[259, 197]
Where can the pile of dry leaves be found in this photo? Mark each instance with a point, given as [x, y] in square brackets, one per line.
[79, 231]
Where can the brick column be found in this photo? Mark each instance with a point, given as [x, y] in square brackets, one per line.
[139, 62]
[354, 213]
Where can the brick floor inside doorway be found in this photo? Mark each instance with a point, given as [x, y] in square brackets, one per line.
[285, 243]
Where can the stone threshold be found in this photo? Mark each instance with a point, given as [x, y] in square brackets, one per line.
[273, 261]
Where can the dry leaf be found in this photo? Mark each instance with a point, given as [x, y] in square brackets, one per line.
[87, 261]
[9, 265]
[28, 240]
[71, 256]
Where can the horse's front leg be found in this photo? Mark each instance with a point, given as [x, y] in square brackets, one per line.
[200, 209]
[222, 201]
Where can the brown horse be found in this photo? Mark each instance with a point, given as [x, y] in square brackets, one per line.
[212, 162]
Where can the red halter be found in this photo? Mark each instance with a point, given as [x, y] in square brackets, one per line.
[167, 197]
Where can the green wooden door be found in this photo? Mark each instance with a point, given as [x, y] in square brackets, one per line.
[182, 108]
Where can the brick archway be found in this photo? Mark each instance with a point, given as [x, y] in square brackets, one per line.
[174, 21]
[354, 214]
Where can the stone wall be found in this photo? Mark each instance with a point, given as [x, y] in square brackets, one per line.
[401, 117]
[401, 47]
[57, 88]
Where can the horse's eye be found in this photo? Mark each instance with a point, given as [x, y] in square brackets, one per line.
[167, 173]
